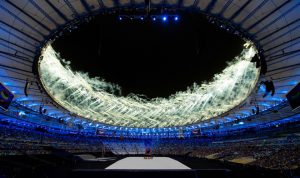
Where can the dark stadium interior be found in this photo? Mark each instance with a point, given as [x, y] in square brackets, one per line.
[174, 117]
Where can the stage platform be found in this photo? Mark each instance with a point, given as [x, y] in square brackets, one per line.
[156, 163]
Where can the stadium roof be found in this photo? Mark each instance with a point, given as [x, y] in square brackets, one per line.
[26, 25]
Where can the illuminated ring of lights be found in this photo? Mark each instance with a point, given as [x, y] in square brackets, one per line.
[88, 98]
[56, 81]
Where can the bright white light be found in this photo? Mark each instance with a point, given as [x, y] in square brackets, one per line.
[22, 113]
[92, 97]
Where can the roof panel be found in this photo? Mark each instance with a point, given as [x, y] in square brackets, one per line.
[7, 18]
[51, 12]
[94, 4]
[188, 3]
[16, 43]
[233, 8]
[17, 48]
[13, 62]
[285, 46]
[247, 10]
[218, 7]
[204, 4]
[62, 8]
[259, 13]
[21, 15]
[172, 2]
[20, 24]
[275, 21]
[285, 63]
[285, 28]
[108, 3]
[38, 15]
[78, 6]
[139, 1]
[285, 72]
[17, 34]
[124, 2]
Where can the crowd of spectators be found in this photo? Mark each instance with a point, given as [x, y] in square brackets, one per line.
[18, 141]
[125, 147]
[271, 151]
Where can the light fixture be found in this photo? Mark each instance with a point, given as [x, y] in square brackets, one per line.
[165, 18]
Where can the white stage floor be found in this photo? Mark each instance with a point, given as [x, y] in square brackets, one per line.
[141, 163]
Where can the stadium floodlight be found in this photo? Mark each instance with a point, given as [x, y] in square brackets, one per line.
[164, 18]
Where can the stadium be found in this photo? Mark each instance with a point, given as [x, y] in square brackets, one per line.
[149, 88]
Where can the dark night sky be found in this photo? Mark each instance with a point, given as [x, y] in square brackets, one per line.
[151, 58]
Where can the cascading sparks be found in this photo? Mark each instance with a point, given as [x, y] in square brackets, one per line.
[89, 97]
